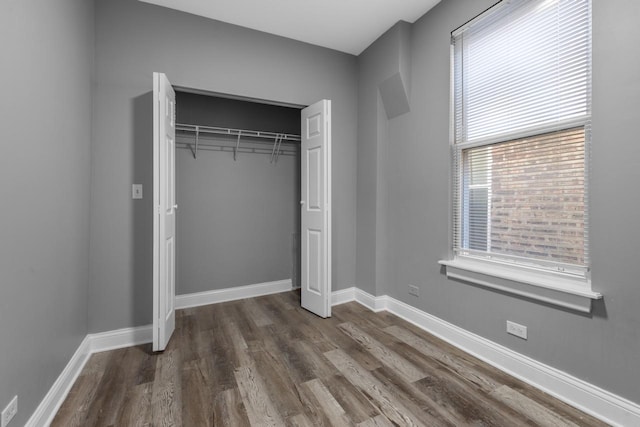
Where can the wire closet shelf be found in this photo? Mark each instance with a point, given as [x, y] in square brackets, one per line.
[211, 138]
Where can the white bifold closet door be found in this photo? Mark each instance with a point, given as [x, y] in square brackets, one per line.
[164, 211]
[316, 208]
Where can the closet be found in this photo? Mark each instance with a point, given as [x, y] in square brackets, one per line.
[238, 191]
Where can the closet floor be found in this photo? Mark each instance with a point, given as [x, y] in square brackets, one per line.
[267, 362]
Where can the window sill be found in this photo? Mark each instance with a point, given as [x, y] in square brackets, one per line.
[559, 290]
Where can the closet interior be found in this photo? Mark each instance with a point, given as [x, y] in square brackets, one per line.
[238, 192]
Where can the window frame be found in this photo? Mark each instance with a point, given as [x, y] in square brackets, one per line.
[570, 290]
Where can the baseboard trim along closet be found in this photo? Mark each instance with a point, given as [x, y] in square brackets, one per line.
[120, 338]
[232, 294]
[587, 397]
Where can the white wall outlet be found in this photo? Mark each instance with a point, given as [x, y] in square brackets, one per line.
[414, 290]
[136, 191]
[9, 412]
[517, 330]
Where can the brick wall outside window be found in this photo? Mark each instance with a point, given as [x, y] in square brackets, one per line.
[537, 197]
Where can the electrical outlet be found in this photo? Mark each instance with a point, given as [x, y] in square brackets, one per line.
[414, 290]
[517, 330]
[10, 411]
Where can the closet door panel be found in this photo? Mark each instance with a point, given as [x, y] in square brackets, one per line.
[314, 179]
[314, 261]
[164, 211]
[316, 208]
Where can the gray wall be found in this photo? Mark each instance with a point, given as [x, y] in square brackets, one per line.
[134, 39]
[387, 60]
[212, 110]
[55, 238]
[602, 348]
[237, 219]
[47, 52]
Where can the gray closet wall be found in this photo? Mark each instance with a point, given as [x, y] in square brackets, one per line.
[238, 222]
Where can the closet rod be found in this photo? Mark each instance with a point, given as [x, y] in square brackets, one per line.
[229, 149]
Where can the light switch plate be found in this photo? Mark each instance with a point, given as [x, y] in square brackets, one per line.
[136, 191]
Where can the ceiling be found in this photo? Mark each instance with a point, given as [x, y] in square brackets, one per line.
[346, 25]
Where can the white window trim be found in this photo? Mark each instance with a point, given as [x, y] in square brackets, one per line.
[555, 288]
[552, 288]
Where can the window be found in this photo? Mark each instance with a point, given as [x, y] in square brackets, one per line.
[521, 130]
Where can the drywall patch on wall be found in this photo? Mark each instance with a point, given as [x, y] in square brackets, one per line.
[394, 96]
[395, 90]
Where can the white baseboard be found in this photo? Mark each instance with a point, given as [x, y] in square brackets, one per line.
[231, 294]
[46, 411]
[376, 304]
[92, 343]
[343, 296]
[587, 397]
[120, 338]
[354, 294]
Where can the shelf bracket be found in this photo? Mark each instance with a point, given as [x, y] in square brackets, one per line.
[235, 150]
[278, 149]
[275, 144]
[195, 153]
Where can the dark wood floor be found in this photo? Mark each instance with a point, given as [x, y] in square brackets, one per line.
[267, 362]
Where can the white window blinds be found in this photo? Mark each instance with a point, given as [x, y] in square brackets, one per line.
[523, 68]
[522, 108]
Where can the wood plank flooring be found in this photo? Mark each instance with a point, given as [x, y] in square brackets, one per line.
[267, 362]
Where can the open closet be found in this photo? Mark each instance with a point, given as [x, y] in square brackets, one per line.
[254, 184]
[237, 169]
